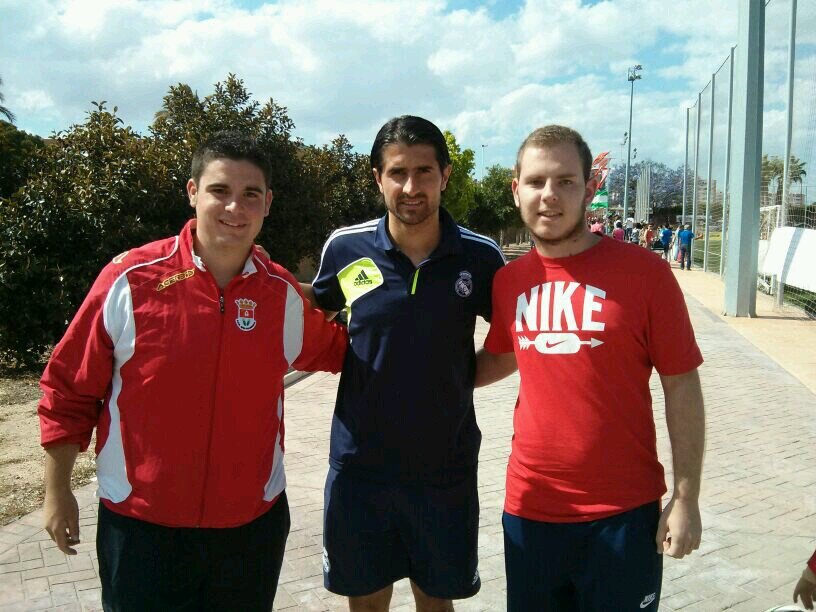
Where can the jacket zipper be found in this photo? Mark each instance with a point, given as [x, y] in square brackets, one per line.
[212, 406]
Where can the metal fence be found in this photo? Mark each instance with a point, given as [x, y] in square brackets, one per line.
[788, 192]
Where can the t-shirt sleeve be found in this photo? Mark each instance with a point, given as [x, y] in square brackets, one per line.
[493, 265]
[671, 344]
[499, 337]
[327, 290]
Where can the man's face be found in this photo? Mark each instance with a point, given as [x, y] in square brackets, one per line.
[231, 200]
[411, 182]
[551, 194]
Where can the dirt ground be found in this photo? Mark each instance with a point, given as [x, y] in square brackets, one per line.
[21, 457]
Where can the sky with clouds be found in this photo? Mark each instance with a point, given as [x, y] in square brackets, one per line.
[488, 71]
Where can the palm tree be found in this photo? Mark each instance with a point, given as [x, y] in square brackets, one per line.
[3, 110]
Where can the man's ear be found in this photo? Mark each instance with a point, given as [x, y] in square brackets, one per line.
[378, 179]
[591, 188]
[446, 176]
[268, 204]
[514, 189]
[192, 190]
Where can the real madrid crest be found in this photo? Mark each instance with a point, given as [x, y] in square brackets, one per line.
[246, 314]
[464, 284]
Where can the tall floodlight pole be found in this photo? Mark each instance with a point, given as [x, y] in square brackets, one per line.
[631, 77]
[483, 161]
[780, 285]
[685, 170]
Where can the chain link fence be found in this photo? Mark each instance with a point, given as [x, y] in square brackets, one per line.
[788, 191]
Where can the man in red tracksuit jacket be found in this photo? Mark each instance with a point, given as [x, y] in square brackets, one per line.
[177, 357]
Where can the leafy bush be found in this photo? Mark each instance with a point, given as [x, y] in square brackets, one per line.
[101, 189]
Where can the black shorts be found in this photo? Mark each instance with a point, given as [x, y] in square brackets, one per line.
[608, 564]
[377, 533]
[145, 567]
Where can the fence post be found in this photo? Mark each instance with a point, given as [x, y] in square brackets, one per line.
[708, 174]
[743, 223]
[726, 185]
[780, 285]
[696, 168]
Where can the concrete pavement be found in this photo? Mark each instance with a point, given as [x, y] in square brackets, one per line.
[758, 505]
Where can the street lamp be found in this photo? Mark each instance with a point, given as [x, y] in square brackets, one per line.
[631, 77]
[483, 161]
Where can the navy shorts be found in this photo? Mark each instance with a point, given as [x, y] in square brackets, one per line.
[145, 567]
[376, 533]
[608, 564]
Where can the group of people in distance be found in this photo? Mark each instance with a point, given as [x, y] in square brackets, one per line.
[177, 357]
[672, 245]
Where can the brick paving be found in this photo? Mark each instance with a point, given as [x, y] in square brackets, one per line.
[759, 509]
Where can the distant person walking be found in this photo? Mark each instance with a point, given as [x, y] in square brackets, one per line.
[634, 237]
[676, 243]
[629, 225]
[666, 236]
[618, 233]
[648, 236]
[596, 227]
[684, 238]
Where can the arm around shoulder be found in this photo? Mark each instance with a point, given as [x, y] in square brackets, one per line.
[324, 342]
[492, 367]
[309, 294]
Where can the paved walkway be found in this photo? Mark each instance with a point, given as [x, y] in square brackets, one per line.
[759, 507]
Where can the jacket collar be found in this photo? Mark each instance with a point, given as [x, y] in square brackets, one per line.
[187, 249]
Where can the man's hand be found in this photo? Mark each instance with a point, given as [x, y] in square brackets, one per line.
[680, 529]
[62, 519]
[806, 588]
[60, 509]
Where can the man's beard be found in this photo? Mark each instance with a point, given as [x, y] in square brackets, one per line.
[415, 217]
[574, 233]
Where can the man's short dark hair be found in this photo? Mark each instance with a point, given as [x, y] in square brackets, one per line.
[229, 144]
[550, 135]
[410, 130]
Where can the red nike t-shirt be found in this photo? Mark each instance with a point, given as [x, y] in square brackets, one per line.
[587, 331]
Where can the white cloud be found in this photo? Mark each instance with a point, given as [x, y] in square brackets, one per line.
[348, 66]
[33, 100]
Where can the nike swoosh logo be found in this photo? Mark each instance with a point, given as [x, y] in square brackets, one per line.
[647, 601]
[549, 344]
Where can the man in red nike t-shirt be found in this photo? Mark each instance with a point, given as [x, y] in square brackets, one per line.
[583, 523]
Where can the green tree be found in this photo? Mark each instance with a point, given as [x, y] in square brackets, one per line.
[99, 190]
[17, 150]
[460, 193]
[341, 182]
[295, 226]
[772, 170]
[3, 110]
[494, 208]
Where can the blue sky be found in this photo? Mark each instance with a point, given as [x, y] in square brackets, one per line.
[488, 71]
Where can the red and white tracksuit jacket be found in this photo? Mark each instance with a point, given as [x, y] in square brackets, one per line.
[184, 382]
